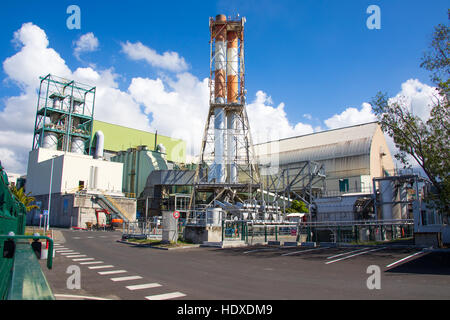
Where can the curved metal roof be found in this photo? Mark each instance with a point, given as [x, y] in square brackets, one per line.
[332, 144]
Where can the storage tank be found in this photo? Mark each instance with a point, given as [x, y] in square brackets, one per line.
[50, 140]
[77, 145]
[214, 216]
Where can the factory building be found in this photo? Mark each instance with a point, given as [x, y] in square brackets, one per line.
[118, 139]
[69, 184]
[351, 156]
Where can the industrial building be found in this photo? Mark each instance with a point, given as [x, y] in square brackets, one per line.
[79, 166]
[118, 139]
[352, 156]
[69, 184]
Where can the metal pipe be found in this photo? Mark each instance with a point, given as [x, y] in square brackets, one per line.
[219, 93]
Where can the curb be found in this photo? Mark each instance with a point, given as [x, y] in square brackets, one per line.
[158, 248]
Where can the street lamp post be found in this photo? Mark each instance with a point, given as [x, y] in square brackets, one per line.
[50, 195]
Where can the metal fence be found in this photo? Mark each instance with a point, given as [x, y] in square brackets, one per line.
[147, 229]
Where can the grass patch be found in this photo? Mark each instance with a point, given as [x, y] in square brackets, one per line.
[159, 243]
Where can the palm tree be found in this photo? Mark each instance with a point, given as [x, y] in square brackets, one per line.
[23, 197]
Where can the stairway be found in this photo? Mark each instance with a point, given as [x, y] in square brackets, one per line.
[108, 203]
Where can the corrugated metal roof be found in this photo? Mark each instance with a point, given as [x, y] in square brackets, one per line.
[332, 144]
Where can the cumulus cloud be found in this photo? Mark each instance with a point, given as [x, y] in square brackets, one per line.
[351, 116]
[270, 123]
[418, 97]
[169, 60]
[34, 59]
[86, 43]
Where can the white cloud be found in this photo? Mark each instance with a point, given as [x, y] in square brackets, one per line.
[270, 123]
[351, 116]
[169, 60]
[34, 59]
[178, 107]
[86, 43]
[418, 97]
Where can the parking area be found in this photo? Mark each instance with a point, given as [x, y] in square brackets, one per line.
[113, 270]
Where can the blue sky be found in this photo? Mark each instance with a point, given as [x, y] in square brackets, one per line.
[315, 57]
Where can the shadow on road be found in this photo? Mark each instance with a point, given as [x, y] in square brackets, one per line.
[432, 263]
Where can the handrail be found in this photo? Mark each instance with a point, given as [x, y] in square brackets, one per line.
[50, 246]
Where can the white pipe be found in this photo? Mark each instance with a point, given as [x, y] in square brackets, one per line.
[99, 148]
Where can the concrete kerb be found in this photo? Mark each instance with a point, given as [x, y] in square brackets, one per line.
[144, 245]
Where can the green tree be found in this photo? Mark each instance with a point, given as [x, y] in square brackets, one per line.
[297, 206]
[23, 197]
[426, 141]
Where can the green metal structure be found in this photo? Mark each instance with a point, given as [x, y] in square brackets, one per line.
[64, 116]
[21, 276]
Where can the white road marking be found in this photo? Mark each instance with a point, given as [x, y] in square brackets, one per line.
[91, 262]
[111, 272]
[354, 255]
[406, 258]
[68, 253]
[90, 237]
[83, 259]
[345, 253]
[302, 251]
[143, 286]
[126, 278]
[264, 249]
[166, 296]
[76, 238]
[101, 267]
[78, 297]
[64, 250]
[76, 256]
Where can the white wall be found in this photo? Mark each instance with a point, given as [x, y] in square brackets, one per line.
[68, 170]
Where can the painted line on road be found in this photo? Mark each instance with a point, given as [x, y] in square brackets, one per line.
[68, 253]
[302, 251]
[102, 267]
[83, 259]
[91, 262]
[354, 255]
[166, 296]
[126, 278]
[64, 250]
[57, 295]
[143, 286]
[405, 258]
[76, 256]
[111, 272]
[76, 238]
[345, 253]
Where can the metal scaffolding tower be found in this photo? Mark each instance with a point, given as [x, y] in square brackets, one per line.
[64, 115]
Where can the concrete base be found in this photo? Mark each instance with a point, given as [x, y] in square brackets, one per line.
[428, 239]
[225, 244]
[74, 210]
[290, 243]
[202, 234]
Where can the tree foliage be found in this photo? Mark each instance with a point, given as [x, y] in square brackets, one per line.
[297, 207]
[24, 198]
[425, 140]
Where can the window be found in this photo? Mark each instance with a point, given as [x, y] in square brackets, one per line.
[343, 185]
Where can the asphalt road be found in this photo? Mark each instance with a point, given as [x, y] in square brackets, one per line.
[250, 273]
